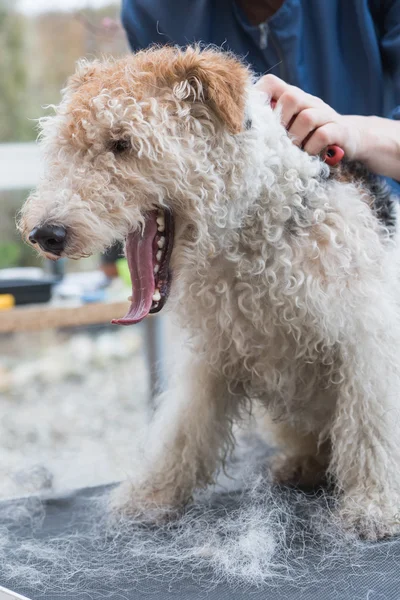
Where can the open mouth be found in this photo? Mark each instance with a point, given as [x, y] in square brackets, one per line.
[148, 252]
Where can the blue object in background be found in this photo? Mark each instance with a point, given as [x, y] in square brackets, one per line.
[346, 52]
[93, 296]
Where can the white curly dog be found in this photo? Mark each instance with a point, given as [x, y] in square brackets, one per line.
[284, 272]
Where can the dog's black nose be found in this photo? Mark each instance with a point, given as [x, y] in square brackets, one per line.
[51, 238]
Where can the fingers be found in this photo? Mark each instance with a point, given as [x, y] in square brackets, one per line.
[290, 99]
[293, 102]
[272, 85]
[290, 105]
[307, 121]
[313, 124]
[324, 136]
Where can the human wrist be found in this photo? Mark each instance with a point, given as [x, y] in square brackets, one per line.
[375, 142]
[360, 137]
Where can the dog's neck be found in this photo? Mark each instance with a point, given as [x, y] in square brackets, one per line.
[273, 162]
[268, 189]
[266, 192]
[268, 174]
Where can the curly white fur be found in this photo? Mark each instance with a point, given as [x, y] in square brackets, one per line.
[285, 280]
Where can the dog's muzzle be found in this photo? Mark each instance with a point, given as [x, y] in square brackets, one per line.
[50, 238]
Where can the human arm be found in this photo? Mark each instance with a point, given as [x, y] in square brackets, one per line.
[375, 141]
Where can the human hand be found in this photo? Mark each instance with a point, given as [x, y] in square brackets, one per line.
[313, 124]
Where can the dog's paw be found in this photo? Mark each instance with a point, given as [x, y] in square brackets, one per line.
[299, 471]
[371, 519]
[145, 504]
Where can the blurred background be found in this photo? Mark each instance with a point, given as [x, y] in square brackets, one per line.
[72, 392]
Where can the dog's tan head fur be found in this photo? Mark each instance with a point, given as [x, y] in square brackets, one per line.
[133, 134]
[211, 77]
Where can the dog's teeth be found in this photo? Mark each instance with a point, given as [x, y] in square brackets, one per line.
[161, 242]
[159, 255]
[161, 223]
[156, 269]
[157, 296]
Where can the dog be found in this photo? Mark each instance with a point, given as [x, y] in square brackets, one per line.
[284, 273]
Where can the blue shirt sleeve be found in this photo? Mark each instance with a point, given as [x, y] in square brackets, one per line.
[390, 47]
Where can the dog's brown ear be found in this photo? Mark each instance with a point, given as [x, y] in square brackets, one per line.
[216, 78]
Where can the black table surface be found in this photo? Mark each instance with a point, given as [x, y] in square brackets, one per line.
[377, 578]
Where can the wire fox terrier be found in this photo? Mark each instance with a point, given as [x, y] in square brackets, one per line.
[284, 272]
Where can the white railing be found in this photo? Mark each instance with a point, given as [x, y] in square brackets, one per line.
[20, 166]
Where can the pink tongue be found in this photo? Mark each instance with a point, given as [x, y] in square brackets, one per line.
[139, 252]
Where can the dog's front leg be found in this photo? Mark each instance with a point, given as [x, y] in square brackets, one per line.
[366, 434]
[188, 436]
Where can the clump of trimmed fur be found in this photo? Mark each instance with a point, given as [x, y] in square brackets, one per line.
[246, 534]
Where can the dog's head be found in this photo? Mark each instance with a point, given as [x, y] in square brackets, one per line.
[130, 155]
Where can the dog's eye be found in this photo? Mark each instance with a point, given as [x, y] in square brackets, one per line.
[119, 146]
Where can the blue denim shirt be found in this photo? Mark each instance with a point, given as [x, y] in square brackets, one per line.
[346, 52]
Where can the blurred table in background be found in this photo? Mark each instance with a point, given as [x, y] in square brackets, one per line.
[43, 316]
[38, 317]
[21, 168]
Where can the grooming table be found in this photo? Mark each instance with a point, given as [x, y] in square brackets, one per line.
[377, 578]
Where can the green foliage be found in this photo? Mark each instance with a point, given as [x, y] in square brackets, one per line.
[13, 123]
[13, 251]
[37, 54]
[9, 254]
